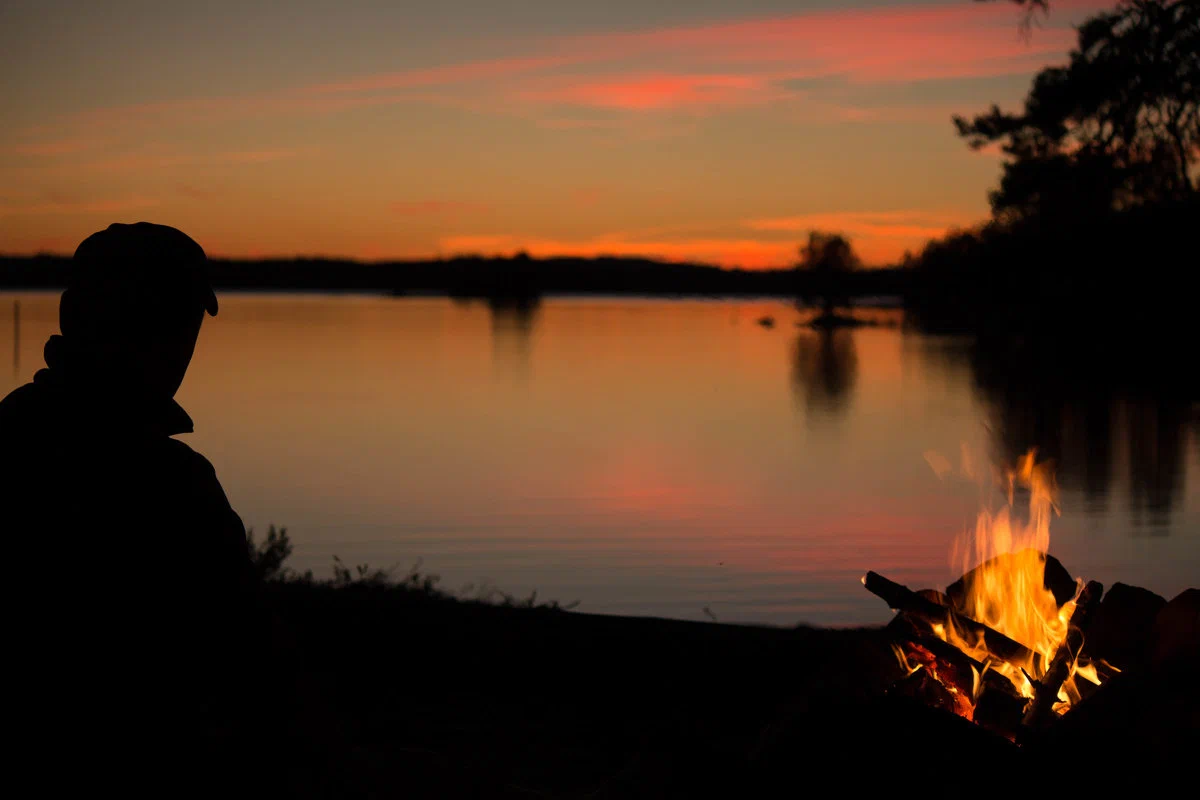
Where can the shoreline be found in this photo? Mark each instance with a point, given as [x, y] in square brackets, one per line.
[457, 697]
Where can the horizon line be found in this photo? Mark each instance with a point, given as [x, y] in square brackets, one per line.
[435, 259]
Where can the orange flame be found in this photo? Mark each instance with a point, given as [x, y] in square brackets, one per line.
[1006, 590]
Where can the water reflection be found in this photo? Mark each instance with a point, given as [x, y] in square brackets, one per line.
[513, 323]
[1099, 422]
[644, 456]
[1157, 460]
[824, 371]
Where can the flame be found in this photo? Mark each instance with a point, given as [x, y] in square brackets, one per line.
[1006, 589]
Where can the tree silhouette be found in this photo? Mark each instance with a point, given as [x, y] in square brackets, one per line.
[824, 372]
[1118, 126]
[826, 259]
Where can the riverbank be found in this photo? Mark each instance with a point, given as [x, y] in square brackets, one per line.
[408, 691]
[398, 681]
[451, 698]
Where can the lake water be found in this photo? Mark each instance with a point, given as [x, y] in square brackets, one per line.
[653, 457]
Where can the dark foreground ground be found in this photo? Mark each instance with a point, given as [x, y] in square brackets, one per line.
[409, 694]
[442, 698]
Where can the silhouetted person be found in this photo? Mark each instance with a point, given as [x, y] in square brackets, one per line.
[132, 589]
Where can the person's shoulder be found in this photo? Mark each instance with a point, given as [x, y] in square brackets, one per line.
[184, 458]
[194, 476]
[21, 408]
[20, 399]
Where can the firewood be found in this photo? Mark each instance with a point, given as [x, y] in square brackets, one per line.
[923, 687]
[1175, 635]
[902, 598]
[1045, 695]
[1000, 712]
[1120, 631]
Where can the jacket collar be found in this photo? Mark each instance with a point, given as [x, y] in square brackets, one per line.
[95, 404]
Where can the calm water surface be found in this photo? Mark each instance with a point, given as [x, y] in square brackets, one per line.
[647, 456]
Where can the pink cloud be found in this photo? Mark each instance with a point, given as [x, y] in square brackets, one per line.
[717, 64]
[650, 92]
[868, 45]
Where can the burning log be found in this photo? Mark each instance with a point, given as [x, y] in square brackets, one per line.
[905, 628]
[902, 598]
[1041, 709]
[930, 690]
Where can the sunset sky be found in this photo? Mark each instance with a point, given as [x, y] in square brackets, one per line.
[704, 130]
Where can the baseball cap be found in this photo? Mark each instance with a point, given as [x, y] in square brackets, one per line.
[142, 259]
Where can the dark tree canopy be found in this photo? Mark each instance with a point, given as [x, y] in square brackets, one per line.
[827, 258]
[828, 252]
[1116, 127]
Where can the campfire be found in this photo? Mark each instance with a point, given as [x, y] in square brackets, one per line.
[1016, 643]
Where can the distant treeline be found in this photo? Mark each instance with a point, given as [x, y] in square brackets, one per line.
[495, 277]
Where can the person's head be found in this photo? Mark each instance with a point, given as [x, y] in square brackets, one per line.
[134, 304]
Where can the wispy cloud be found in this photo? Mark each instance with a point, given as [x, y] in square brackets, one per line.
[867, 45]
[658, 91]
[719, 65]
